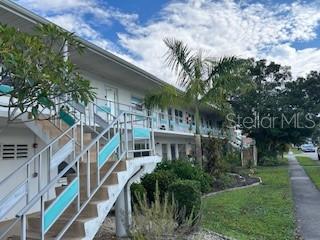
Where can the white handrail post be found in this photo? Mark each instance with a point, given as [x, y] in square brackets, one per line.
[49, 167]
[28, 179]
[126, 135]
[119, 132]
[39, 172]
[133, 142]
[94, 110]
[42, 217]
[78, 175]
[81, 132]
[23, 234]
[88, 175]
[97, 156]
[153, 139]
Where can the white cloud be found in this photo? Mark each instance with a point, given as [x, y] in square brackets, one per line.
[220, 27]
[73, 16]
[225, 28]
[301, 61]
[53, 5]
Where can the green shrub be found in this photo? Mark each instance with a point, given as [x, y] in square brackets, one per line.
[214, 150]
[163, 178]
[269, 161]
[187, 196]
[137, 191]
[186, 170]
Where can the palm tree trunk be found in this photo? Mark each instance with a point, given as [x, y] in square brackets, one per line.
[198, 138]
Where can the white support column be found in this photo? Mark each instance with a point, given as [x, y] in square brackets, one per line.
[169, 151]
[129, 207]
[123, 213]
[177, 152]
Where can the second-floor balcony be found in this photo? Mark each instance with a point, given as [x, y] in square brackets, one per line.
[161, 120]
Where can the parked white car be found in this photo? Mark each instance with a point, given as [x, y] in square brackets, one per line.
[308, 147]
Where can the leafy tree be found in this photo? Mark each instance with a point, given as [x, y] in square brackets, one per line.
[278, 110]
[34, 70]
[205, 82]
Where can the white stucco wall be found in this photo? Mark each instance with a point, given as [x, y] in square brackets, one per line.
[21, 135]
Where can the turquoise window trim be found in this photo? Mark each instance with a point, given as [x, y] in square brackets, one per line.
[108, 150]
[103, 108]
[59, 205]
[6, 89]
[141, 133]
[67, 118]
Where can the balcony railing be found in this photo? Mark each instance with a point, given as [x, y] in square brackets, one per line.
[161, 121]
[166, 122]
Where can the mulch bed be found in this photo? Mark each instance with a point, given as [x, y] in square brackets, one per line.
[234, 181]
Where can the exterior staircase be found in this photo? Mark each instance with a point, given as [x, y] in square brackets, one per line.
[81, 172]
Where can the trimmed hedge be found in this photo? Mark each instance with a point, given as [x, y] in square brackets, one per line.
[187, 196]
[185, 170]
[164, 179]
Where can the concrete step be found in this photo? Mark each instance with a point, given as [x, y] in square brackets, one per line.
[76, 229]
[111, 180]
[121, 166]
[101, 195]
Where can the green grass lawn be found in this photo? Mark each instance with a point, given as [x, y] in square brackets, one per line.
[264, 212]
[306, 161]
[312, 168]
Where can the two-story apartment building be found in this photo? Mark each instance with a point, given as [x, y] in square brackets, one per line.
[92, 152]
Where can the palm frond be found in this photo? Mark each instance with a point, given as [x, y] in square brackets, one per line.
[165, 97]
[226, 77]
[229, 73]
[180, 59]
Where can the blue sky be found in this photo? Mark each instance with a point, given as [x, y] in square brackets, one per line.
[284, 31]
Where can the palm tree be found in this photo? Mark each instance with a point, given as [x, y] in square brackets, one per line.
[205, 82]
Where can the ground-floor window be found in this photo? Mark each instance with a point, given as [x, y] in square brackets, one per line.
[141, 146]
[182, 151]
[164, 151]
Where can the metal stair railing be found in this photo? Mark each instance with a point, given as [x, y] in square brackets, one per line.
[118, 130]
[20, 192]
[42, 164]
[88, 116]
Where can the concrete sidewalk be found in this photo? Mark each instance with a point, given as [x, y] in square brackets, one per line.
[307, 201]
